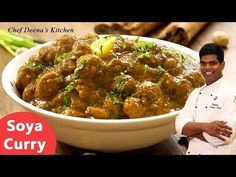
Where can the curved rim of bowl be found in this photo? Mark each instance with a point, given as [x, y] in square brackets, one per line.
[9, 88]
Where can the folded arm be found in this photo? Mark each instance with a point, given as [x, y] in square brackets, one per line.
[228, 114]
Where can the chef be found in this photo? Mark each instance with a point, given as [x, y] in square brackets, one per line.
[208, 118]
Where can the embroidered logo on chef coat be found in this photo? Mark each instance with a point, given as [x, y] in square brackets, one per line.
[215, 106]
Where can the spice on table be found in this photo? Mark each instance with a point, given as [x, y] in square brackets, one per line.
[221, 38]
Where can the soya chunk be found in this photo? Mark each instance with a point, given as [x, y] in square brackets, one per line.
[124, 83]
[81, 48]
[89, 66]
[47, 54]
[66, 42]
[116, 66]
[97, 112]
[133, 107]
[28, 93]
[195, 78]
[25, 76]
[48, 86]
[149, 90]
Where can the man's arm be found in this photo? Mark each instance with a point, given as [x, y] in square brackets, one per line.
[200, 136]
[218, 129]
[193, 128]
[186, 115]
[229, 114]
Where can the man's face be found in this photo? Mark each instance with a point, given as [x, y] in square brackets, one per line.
[211, 68]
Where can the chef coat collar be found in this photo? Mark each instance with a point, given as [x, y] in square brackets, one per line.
[212, 86]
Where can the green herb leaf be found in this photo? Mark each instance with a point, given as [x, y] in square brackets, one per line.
[144, 55]
[159, 69]
[70, 87]
[37, 65]
[66, 101]
[82, 65]
[40, 75]
[114, 98]
[178, 55]
[61, 78]
[144, 46]
[63, 56]
[146, 67]
[76, 73]
[158, 84]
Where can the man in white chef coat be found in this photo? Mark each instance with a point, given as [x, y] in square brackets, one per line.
[208, 118]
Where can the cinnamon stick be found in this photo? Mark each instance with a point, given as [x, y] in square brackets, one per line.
[130, 28]
[181, 32]
[103, 28]
[111, 27]
[142, 28]
[120, 27]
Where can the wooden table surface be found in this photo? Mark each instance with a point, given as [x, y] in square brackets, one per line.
[170, 146]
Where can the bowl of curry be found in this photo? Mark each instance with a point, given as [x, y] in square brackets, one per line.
[107, 93]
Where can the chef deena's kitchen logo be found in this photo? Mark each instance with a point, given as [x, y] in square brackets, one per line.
[24, 133]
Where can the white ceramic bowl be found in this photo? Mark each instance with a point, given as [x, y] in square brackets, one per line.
[98, 134]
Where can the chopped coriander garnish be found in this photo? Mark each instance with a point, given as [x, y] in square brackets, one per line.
[121, 78]
[124, 45]
[178, 55]
[159, 69]
[70, 87]
[146, 67]
[76, 73]
[66, 101]
[114, 98]
[144, 55]
[61, 78]
[144, 46]
[158, 84]
[40, 75]
[82, 65]
[37, 65]
[63, 56]
[83, 60]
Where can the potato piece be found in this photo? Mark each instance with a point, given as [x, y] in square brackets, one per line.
[103, 46]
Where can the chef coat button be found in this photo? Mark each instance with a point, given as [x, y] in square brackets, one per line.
[211, 95]
[206, 107]
[200, 92]
[195, 106]
[188, 152]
